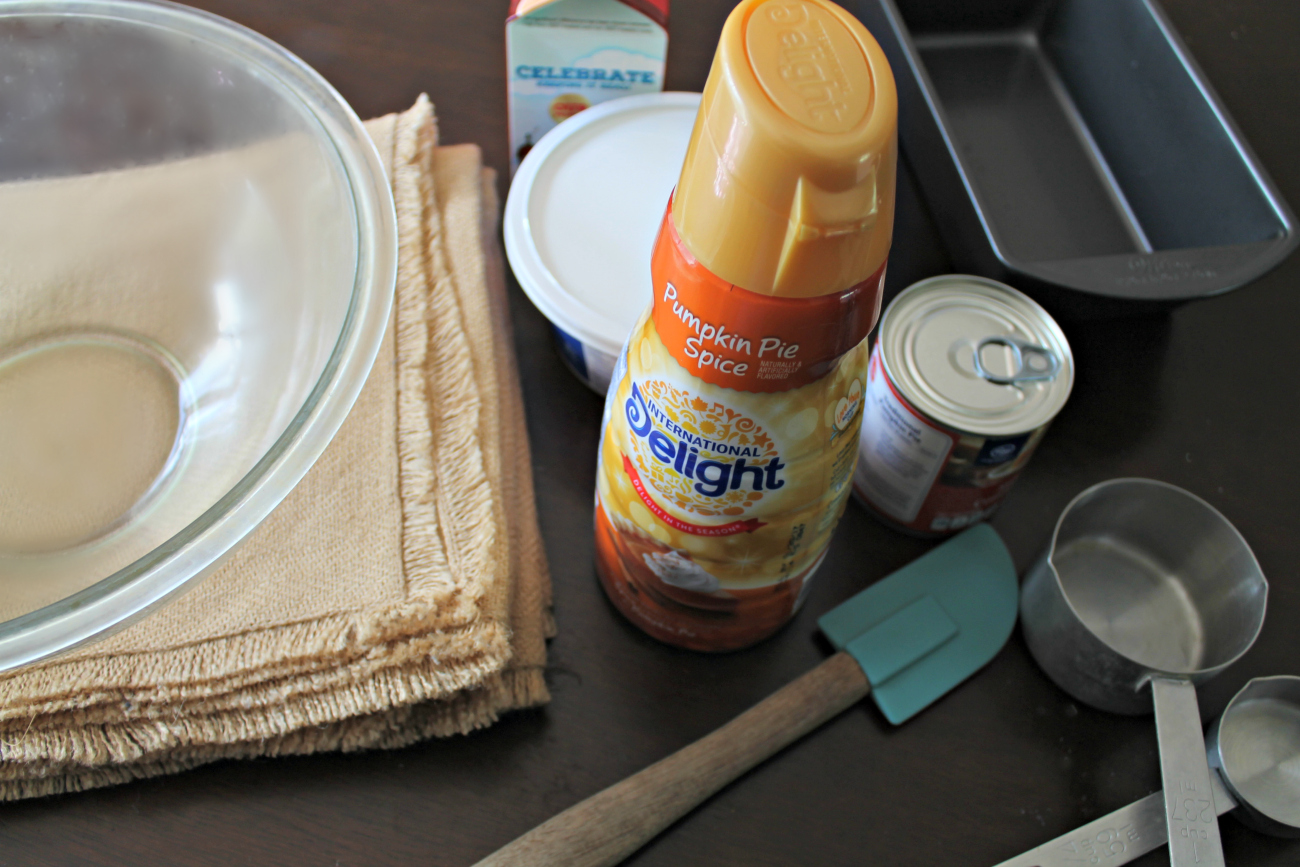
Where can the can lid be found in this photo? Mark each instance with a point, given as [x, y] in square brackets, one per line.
[976, 355]
[788, 184]
[585, 207]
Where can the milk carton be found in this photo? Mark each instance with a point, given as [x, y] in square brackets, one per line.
[566, 55]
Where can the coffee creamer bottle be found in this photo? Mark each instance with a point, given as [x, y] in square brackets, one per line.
[731, 423]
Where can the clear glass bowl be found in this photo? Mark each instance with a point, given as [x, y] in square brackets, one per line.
[197, 259]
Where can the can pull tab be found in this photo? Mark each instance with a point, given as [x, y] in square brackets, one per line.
[1031, 363]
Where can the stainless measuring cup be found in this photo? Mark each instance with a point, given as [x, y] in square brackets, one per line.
[1144, 592]
[1254, 748]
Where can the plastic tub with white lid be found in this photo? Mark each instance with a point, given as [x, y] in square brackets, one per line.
[581, 219]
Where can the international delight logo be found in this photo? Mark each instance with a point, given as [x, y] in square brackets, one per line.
[703, 457]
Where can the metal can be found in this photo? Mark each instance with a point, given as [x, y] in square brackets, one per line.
[964, 379]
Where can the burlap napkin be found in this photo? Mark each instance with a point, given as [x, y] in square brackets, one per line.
[400, 592]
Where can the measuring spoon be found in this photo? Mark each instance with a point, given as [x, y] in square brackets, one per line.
[1254, 748]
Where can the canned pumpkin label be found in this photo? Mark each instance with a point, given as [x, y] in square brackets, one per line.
[903, 453]
[925, 476]
[944, 434]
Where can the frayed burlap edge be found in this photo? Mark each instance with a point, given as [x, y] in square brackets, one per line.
[392, 729]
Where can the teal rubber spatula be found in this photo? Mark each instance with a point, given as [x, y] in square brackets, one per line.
[906, 640]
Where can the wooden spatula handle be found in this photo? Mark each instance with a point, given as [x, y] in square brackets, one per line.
[614, 823]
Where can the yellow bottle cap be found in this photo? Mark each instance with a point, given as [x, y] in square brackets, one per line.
[788, 184]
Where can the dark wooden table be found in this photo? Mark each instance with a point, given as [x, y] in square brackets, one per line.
[1204, 398]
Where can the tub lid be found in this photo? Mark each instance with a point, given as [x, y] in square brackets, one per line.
[976, 355]
[584, 209]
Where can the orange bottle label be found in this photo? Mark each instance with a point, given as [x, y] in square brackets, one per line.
[729, 336]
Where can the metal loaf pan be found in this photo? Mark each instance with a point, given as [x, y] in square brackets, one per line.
[1073, 148]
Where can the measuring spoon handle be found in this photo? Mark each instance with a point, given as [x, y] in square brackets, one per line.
[614, 823]
[1116, 838]
[1192, 822]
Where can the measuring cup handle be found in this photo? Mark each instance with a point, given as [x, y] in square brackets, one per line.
[1190, 816]
[1117, 837]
